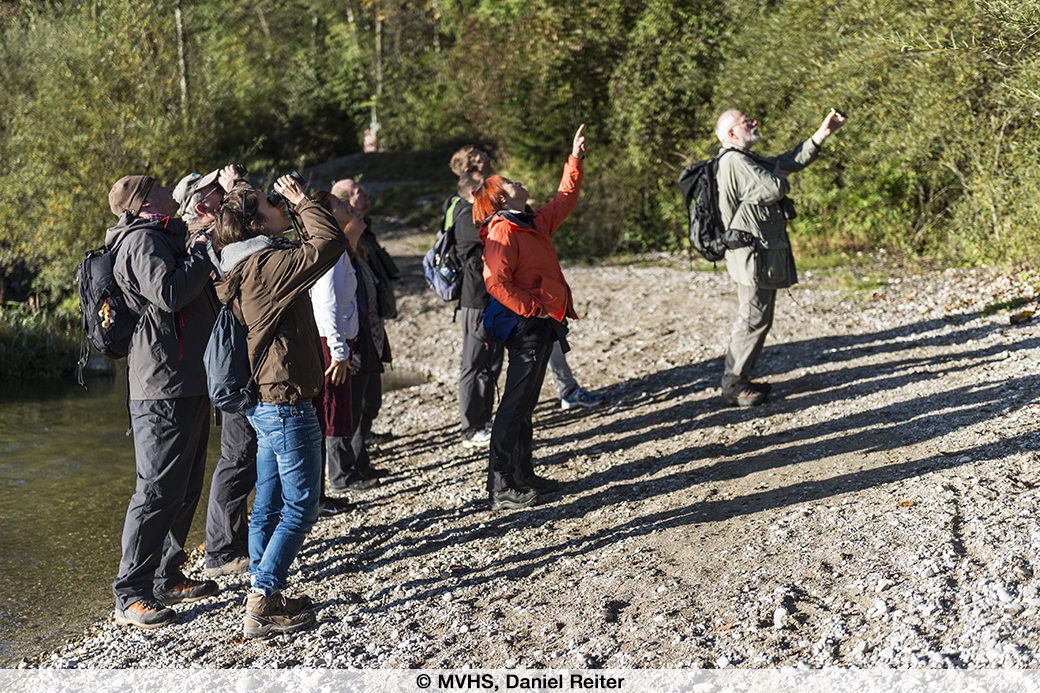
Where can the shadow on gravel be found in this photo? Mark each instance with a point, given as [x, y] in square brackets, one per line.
[872, 432]
[811, 390]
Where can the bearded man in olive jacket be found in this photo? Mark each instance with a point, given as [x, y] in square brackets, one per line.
[753, 198]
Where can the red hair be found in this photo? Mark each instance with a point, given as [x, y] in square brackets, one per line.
[488, 198]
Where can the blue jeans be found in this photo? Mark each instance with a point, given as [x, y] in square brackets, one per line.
[288, 476]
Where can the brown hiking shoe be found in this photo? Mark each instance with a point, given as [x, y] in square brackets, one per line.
[745, 398]
[232, 567]
[187, 590]
[266, 615]
[297, 604]
[145, 613]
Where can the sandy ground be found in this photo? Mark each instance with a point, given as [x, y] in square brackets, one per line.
[879, 511]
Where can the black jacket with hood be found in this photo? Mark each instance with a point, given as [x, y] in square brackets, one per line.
[170, 287]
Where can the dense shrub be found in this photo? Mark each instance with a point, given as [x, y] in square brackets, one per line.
[940, 156]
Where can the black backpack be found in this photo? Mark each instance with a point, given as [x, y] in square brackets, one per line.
[699, 186]
[108, 320]
[230, 382]
[229, 379]
[441, 264]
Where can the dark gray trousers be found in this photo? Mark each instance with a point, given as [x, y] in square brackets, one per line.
[512, 437]
[170, 437]
[348, 458]
[754, 318]
[368, 403]
[481, 366]
[227, 514]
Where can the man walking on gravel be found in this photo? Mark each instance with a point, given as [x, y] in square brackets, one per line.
[753, 198]
[168, 285]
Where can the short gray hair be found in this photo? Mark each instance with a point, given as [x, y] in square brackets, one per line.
[724, 124]
[191, 215]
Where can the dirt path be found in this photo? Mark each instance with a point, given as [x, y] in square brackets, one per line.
[879, 511]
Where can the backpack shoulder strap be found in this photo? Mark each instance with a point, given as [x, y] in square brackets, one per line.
[449, 214]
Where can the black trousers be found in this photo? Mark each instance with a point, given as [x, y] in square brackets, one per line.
[348, 458]
[170, 437]
[512, 436]
[227, 514]
[369, 401]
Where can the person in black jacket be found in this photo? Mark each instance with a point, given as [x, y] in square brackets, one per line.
[168, 285]
[481, 356]
[386, 273]
[227, 512]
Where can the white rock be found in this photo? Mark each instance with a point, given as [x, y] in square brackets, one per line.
[860, 647]
[722, 662]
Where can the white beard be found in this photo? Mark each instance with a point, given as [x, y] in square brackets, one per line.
[750, 140]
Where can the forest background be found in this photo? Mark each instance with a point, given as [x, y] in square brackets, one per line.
[940, 159]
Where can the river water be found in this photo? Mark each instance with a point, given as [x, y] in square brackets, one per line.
[66, 476]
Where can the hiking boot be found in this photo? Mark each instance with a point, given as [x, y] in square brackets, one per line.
[581, 398]
[539, 484]
[514, 499]
[373, 472]
[745, 398]
[764, 388]
[330, 507]
[145, 613]
[187, 590]
[378, 438]
[298, 604]
[362, 484]
[235, 565]
[479, 439]
[267, 615]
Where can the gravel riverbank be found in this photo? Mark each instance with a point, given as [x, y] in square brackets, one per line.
[880, 511]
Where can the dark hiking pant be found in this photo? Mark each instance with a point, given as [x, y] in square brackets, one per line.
[348, 458]
[512, 436]
[227, 514]
[170, 437]
[481, 366]
[368, 401]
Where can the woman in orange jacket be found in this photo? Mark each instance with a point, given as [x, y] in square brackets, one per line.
[530, 304]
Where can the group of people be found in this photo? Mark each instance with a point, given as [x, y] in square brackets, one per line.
[314, 311]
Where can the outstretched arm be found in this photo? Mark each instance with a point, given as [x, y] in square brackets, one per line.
[551, 215]
[830, 125]
[803, 155]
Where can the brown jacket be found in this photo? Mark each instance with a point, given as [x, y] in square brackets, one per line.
[273, 276]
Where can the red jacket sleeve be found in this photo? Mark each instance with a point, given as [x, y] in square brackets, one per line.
[550, 215]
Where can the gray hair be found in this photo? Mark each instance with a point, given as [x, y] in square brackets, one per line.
[191, 215]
